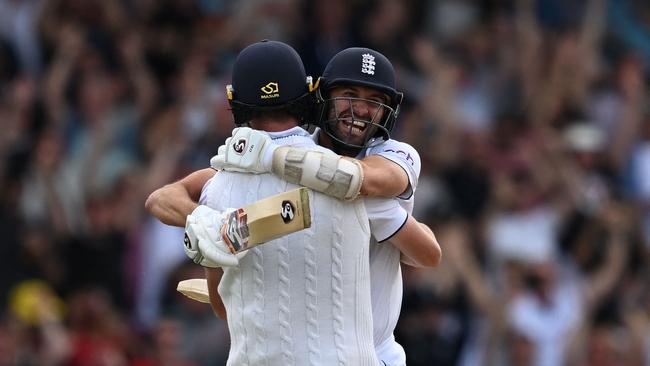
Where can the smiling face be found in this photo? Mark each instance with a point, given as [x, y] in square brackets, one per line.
[355, 112]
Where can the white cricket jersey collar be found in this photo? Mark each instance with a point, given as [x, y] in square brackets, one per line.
[291, 136]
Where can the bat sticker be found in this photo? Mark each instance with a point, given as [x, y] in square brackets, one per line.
[287, 212]
[235, 232]
[266, 219]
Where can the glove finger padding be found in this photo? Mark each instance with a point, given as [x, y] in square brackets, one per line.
[190, 241]
[247, 150]
[228, 158]
[203, 241]
[218, 161]
[194, 236]
[216, 251]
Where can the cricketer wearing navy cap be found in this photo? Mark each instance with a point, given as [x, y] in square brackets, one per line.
[268, 76]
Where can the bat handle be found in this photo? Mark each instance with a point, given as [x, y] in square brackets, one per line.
[226, 239]
[235, 232]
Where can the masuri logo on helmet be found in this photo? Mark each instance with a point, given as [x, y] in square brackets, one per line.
[270, 90]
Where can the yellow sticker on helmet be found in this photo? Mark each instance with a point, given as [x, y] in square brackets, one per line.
[270, 90]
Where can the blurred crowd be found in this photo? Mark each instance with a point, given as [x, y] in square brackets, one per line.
[531, 117]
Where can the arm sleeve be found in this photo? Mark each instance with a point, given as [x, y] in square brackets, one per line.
[203, 200]
[386, 217]
[403, 155]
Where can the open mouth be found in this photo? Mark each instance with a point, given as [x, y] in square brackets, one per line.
[353, 125]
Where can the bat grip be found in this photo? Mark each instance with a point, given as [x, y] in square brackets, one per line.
[226, 239]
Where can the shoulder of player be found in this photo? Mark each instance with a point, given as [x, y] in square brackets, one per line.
[391, 146]
[394, 147]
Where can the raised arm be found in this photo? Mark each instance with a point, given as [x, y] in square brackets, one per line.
[377, 175]
[173, 202]
[616, 220]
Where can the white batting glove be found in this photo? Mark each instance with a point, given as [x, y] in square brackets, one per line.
[203, 241]
[247, 150]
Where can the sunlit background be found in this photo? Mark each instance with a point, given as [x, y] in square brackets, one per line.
[531, 117]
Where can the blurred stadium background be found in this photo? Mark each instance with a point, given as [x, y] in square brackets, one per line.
[531, 118]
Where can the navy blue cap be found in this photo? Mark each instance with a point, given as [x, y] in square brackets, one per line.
[268, 73]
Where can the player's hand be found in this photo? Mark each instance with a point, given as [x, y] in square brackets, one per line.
[203, 242]
[247, 150]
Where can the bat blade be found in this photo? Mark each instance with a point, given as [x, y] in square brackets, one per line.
[267, 219]
[195, 289]
[255, 224]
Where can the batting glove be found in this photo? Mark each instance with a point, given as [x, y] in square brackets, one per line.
[247, 150]
[203, 241]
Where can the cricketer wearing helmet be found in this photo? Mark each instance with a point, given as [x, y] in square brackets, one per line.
[315, 281]
[358, 108]
[360, 103]
[302, 299]
[172, 203]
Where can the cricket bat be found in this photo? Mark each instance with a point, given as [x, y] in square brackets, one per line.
[255, 224]
[195, 289]
[267, 219]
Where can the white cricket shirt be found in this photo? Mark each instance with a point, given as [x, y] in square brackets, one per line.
[303, 299]
[385, 270]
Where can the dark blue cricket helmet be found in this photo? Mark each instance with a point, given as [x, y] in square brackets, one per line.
[269, 75]
[364, 67]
